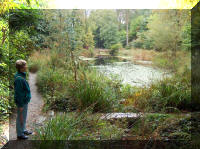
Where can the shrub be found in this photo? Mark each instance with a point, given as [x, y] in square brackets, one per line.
[37, 60]
[163, 126]
[115, 49]
[166, 61]
[172, 93]
[6, 101]
[136, 44]
[142, 41]
[127, 91]
[61, 92]
[53, 85]
[95, 90]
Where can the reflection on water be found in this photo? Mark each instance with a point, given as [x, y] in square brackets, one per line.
[129, 73]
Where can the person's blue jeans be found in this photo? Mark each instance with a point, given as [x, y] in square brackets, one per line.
[21, 128]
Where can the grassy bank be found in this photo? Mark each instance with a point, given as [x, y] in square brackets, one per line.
[163, 126]
[168, 95]
[139, 54]
[79, 126]
[162, 60]
[88, 126]
[62, 91]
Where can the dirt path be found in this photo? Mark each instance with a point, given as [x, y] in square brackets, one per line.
[34, 109]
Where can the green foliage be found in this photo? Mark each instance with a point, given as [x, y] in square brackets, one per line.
[75, 30]
[109, 34]
[4, 101]
[88, 40]
[148, 124]
[122, 37]
[33, 66]
[5, 104]
[61, 92]
[115, 49]
[105, 28]
[127, 91]
[160, 29]
[142, 41]
[23, 18]
[147, 29]
[137, 25]
[4, 50]
[168, 95]
[94, 90]
[16, 42]
[7, 5]
[53, 85]
[163, 126]
[165, 61]
[186, 36]
[81, 126]
[177, 128]
[22, 38]
[161, 32]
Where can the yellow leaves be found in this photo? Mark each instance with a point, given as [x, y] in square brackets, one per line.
[131, 100]
[178, 4]
[138, 94]
[5, 5]
[127, 102]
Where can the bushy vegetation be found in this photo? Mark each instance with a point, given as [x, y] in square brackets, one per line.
[95, 89]
[171, 94]
[17, 42]
[115, 49]
[62, 92]
[163, 126]
[4, 101]
[4, 69]
[37, 60]
[165, 61]
[78, 126]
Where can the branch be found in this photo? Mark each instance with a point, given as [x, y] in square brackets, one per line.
[4, 35]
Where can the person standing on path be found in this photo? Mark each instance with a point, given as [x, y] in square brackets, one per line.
[22, 96]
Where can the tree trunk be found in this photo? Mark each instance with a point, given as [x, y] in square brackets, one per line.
[86, 29]
[75, 71]
[127, 15]
[61, 39]
[118, 19]
[4, 35]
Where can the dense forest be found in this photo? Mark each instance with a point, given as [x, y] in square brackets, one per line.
[53, 41]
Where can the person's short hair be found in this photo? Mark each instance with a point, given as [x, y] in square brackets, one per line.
[20, 64]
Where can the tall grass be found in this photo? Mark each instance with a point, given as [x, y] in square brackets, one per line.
[163, 126]
[38, 59]
[167, 95]
[54, 85]
[164, 60]
[62, 92]
[78, 126]
[139, 54]
[95, 89]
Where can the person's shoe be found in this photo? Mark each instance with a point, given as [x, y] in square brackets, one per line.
[27, 132]
[23, 137]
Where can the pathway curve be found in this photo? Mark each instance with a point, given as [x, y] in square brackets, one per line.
[34, 109]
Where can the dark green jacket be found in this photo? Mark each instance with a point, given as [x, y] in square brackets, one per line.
[22, 94]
